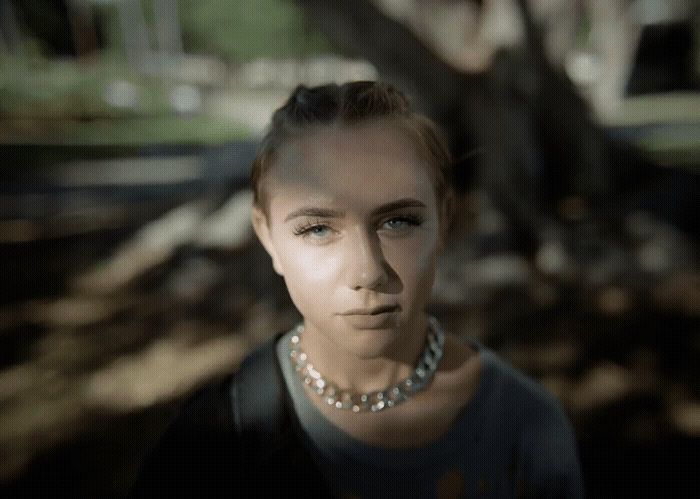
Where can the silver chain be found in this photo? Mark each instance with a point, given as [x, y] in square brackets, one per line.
[377, 400]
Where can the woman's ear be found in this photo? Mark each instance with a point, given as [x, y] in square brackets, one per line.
[262, 231]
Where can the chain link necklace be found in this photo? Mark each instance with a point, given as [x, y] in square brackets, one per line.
[377, 400]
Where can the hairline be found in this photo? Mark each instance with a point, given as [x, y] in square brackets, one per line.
[406, 124]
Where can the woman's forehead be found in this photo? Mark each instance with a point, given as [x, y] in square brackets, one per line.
[358, 168]
[350, 154]
[345, 198]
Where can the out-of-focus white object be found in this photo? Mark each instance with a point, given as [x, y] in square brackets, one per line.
[186, 99]
[122, 94]
[583, 67]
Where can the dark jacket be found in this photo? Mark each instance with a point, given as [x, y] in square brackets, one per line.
[236, 437]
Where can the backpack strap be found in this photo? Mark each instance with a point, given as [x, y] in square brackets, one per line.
[267, 426]
[239, 433]
[256, 394]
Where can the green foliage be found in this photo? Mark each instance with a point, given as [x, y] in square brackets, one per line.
[240, 30]
[63, 102]
[235, 30]
[43, 88]
[168, 129]
[66, 101]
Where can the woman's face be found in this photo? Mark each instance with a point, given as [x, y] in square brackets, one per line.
[353, 225]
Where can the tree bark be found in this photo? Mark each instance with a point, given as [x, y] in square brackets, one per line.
[535, 137]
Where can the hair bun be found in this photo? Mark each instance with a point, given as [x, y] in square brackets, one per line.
[315, 104]
[370, 98]
[301, 95]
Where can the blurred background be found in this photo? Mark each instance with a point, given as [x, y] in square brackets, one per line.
[131, 276]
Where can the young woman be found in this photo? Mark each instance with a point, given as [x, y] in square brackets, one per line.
[368, 396]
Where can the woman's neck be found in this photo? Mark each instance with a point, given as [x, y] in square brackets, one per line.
[364, 375]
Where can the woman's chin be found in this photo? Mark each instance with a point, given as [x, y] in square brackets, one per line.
[369, 343]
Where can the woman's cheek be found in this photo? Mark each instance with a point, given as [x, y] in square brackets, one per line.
[311, 275]
[312, 263]
[413, 257]
[319, 265]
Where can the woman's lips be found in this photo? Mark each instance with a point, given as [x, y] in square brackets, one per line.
[378, 320]
[372, 311]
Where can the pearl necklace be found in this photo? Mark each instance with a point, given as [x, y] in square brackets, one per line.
[377, 400]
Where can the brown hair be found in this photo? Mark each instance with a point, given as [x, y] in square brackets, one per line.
[349, 104]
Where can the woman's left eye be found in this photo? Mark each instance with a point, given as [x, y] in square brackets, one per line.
[398, 223]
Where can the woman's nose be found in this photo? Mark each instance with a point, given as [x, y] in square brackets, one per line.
[367, 267]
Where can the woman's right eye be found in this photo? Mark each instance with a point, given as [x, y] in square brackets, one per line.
[316, 230]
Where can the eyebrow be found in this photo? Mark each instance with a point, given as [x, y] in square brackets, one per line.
[313, 211]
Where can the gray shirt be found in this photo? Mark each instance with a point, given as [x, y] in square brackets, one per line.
[512, 439]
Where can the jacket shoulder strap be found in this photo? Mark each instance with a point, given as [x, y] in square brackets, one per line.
[257, 393]
[268, 428]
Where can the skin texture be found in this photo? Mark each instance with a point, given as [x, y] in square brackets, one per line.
[363, 260]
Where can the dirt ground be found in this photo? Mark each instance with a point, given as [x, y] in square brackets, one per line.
[95, 360]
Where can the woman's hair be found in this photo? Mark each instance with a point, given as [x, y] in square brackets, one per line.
[352, 103]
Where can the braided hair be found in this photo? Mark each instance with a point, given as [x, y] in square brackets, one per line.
[334, 106]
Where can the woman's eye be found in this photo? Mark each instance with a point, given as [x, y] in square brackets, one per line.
[321, 231]
[315, 230]
[400, 223]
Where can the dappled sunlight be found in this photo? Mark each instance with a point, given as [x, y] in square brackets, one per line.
[132, 275]
[165, 370]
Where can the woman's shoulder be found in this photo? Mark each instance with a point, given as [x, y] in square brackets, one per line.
[522, 409]
[535, 411]
[511, 384]
[203, 440]
[212, 406]
[496, 389]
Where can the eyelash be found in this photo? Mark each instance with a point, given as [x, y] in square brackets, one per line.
[305, 229]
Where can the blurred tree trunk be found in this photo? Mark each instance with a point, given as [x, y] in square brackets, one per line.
[83, 28]
[167, 23]
[10, 38]
[134, 31]
[361, 29]
[537, 143]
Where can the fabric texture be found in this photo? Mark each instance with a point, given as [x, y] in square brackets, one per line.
[254, 432]
[512, 439]
[234, 437]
